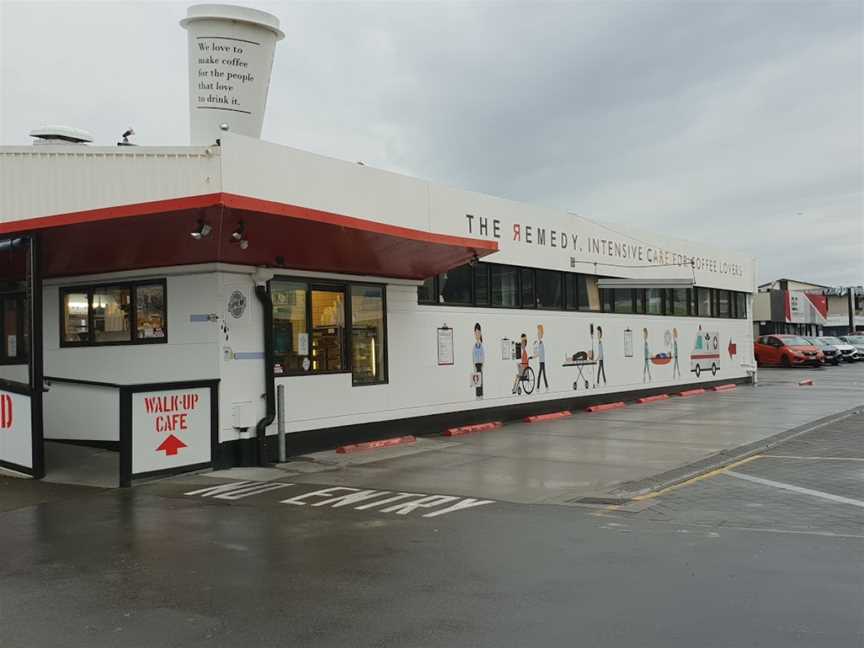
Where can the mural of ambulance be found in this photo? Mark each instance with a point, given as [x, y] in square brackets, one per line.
[706, 353]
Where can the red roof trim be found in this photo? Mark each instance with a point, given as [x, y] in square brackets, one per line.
[251, 204]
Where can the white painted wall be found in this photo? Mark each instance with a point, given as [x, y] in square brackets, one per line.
[18, 372]
[73, 411]
[418, 386]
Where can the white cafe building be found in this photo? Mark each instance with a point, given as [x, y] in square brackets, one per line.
[155, 298]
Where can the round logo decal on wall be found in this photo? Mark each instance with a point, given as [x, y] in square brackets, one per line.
[237, 304]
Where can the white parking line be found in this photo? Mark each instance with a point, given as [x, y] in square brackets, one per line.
[796, 489]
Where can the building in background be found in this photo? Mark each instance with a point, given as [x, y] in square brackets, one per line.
[802, 308]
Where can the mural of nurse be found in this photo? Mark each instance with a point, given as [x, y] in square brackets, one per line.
[601, 367]
[478, 357]
[646, 371]
[675, 368]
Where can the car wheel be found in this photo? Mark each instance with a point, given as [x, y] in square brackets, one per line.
[786, 362]
[713, 369]
[698, 370]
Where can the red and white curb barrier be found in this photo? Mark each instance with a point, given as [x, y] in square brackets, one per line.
[727, 387]
[652, 399]
[470, 429]
[374, 445]
[687, 393]
[605, 407]
[548, 417]
[806, 383]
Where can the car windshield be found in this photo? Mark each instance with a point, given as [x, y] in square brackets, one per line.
[794, 340]
[815, 341]
[831, 340]
[856, 339]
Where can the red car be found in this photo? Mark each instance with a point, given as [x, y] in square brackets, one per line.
[787, 351]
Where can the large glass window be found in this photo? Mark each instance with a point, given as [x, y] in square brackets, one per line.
[109, 308]
[504, 282]
[130, 313]
[529, 299]
[481, 284]
[741, 305]
[328, 330]
[654, 301]
[677, 300]
[367, 334]
[290, 332]
[549, 289]
[426, 294]
[624, 300]
[456, 286]
[724, 306]
[311, 332]
[703, 302]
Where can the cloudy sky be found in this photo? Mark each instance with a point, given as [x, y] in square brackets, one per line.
[737, 124]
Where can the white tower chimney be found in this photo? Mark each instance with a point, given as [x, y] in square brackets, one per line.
[230, 60]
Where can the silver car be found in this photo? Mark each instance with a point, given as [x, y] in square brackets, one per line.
[857, 341]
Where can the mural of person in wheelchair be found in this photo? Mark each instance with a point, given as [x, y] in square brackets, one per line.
[524, 380]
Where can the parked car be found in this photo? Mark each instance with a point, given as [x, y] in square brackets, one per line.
[847, 351]
[832, 353]
[786, 351]
[858, 342]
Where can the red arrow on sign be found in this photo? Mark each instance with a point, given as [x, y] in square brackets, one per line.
[733, 348]
[171, 445]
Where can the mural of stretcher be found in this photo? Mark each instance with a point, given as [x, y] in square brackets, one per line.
[661, 359]
[706, 353]
[580, 368]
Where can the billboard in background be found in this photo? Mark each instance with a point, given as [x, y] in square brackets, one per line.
[805, 308]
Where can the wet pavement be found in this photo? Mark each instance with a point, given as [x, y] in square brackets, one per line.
[768, 552]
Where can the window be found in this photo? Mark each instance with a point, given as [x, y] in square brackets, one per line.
[481, 284]
[320, 328]
[529, 299]
[15, 349]
[741, 305]
[367, 334]
[504, 281]
[724, 307]
[290, 331]
[109, 308]
[328, 330]
[624, 300]
[128, 313]
[654, 301]
[703, 302]
[549, 289]
[426, 294]
[456, 286]
[677, 300]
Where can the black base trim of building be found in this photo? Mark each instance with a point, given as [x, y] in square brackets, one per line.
[114, 446]
[243, 452]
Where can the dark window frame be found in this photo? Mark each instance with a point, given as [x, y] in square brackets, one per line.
[327, 285]
[134, 339]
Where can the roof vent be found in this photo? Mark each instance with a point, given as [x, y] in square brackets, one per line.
[60, 135]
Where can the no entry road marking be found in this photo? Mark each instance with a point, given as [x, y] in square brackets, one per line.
[796, 489]
[391, 502]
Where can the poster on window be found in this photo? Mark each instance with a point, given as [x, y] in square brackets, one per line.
[445, 346]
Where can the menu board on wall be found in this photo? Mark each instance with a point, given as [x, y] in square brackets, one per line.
[445, 346]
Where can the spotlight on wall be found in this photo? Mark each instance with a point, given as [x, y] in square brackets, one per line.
[201, 231]
[239, 236]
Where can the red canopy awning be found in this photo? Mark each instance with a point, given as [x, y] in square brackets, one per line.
[156, 234]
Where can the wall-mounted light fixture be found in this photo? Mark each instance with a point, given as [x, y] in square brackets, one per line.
[201, 231]
[239, 236]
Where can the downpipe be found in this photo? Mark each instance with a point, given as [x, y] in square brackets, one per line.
[263, 295]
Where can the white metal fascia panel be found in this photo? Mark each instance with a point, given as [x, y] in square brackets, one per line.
[50, 180]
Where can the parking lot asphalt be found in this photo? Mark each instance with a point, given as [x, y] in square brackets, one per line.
[773, 559]
[588, 455]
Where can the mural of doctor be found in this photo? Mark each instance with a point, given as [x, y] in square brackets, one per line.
[675, 368]
[601, 367]
[646, 371]
[478, 357]
[541, 356]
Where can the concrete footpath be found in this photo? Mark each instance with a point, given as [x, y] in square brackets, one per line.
[601, 455]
